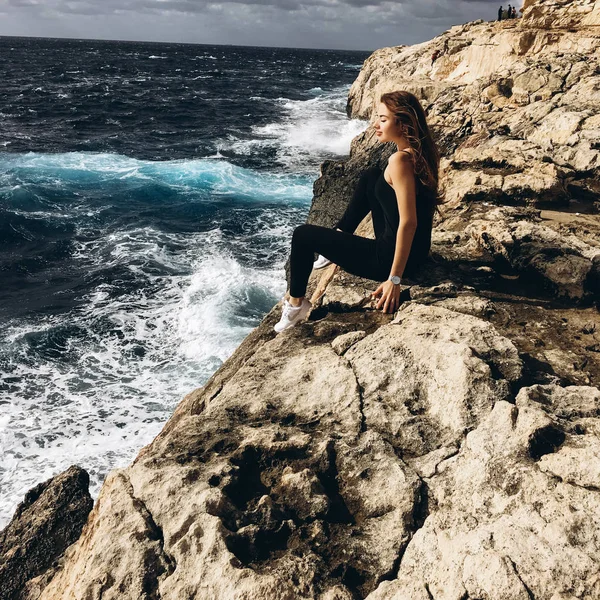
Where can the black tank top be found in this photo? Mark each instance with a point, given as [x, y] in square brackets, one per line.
[386, 220]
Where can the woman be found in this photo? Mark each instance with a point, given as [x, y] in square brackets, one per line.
[402, 198]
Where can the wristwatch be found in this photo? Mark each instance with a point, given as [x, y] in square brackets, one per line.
[395, 279]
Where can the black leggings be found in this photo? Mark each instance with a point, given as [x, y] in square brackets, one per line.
[354, 254]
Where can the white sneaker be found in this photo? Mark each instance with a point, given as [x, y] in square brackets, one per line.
[321, 262]
[290, 315]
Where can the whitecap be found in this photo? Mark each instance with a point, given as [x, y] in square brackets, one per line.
[162, 341]
[309, 131]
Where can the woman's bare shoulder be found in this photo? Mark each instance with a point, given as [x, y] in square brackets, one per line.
[401, 156]
[401, 162]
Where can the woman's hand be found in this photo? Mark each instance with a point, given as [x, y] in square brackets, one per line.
[390, 296]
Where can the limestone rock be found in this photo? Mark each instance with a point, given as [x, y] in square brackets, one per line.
[49, 519]
[426, 377]
[503, 526]
[566, 264]
[560, 14]
[344, 341]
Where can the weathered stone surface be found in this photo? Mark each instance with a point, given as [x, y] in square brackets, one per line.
[266, 490]
[565, 264]
[344, 341]
[104, 563]
[560, 14]
[49, 519]
[502, 524]
[426, 377]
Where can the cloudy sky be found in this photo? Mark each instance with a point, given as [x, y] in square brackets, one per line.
[344, 24]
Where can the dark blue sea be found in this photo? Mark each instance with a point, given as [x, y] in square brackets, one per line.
[148, 193]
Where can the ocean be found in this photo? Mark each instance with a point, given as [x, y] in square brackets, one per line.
[148, 193]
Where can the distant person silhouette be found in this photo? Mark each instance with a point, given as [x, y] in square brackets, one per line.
[509, 12]
[514, 13]
[500, 14]
[434, 56]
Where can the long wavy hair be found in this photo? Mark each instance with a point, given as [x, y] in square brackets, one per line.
[409, 113]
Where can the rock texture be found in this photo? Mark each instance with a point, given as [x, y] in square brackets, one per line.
[561, 14]
[528, 520]
[49, 519]
[448, 451]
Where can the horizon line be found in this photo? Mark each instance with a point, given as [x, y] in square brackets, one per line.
[84, 39]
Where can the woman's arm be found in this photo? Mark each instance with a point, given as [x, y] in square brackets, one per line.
[403, 180]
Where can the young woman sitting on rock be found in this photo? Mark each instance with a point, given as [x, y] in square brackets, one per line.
[402, 199]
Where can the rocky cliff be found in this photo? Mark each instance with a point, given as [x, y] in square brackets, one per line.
[448, 451]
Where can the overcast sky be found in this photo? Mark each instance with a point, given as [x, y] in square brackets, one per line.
[343, 24]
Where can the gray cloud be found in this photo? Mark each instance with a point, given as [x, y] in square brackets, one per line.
[351, 24]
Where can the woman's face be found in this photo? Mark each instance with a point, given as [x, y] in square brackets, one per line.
[386, 129]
